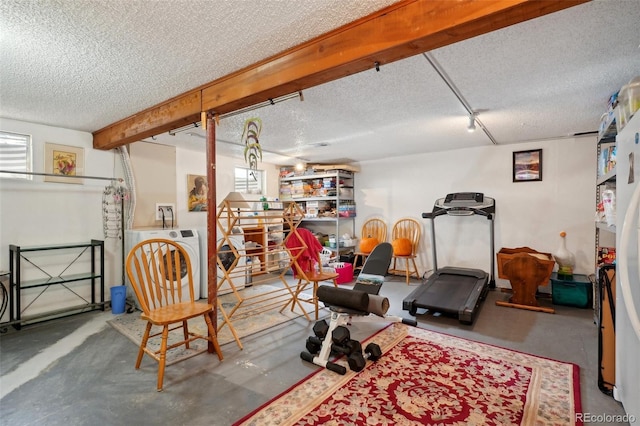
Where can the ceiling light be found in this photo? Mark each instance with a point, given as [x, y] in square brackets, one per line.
[472, 123]
[300, 167]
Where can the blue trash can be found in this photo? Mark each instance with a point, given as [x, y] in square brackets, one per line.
[118, 299]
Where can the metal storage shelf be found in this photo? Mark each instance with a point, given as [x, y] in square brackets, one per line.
[609, 177]
[74, 251]
[344, 180]
[320, 198]
[342, 174]
[609, 130]
[57, 280]
[605, 235]
[326, 219]
[604, 227]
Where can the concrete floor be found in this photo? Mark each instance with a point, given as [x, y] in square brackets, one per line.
[80, 371]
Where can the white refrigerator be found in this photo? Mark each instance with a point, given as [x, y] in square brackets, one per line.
[627, 389]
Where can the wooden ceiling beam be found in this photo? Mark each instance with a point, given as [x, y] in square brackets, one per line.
[172, 114]
[399, 31]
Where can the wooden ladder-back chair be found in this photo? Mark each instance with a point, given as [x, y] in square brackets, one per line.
[156, 268]
[371, 228]
[304, 267]
[410, 229]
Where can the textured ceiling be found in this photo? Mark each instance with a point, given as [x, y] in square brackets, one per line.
[86, 64]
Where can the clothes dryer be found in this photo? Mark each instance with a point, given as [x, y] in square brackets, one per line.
[228, 256]
[187, 238]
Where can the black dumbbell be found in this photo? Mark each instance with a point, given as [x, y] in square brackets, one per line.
[337, 368]
[347, 348]
[353, 346]
[358, 360]
[340, 335]
[320, 329]
[314, 344]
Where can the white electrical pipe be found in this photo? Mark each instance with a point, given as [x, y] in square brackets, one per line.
[627, 228]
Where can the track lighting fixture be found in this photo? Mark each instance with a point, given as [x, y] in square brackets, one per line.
[472, 123]
[270, 101]
[184, 128]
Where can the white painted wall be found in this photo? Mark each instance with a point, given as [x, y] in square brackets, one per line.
[154, 172]
[527, 213]
[44, 213]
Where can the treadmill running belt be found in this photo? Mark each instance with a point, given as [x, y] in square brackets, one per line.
[448, 292]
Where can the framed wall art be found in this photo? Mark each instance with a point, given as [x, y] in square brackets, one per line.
[527, 165]
[197, 193]
[63, 161]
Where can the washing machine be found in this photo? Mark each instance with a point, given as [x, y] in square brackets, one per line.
[227, 257]
[187, 238]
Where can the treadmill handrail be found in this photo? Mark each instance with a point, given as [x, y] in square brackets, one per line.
[488, 211]
[439, 212]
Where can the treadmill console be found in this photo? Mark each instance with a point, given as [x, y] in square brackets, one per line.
[465, 199]
[464, 204]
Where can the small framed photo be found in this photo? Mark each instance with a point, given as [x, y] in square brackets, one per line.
[63, 160]
[527, 165]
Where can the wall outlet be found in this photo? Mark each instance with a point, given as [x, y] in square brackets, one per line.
[168, 209]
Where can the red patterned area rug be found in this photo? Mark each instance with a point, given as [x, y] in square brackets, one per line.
[429, 378]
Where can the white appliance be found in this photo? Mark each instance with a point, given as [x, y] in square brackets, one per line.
[237, 240]
[627, 329]
[187, 238]
[228, 256]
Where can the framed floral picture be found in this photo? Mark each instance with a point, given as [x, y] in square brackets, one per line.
[527, 165]
[64, 162]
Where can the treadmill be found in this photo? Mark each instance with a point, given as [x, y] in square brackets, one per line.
[451, 290]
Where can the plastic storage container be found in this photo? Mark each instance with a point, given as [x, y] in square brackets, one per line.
[118, 299]
[344, 271]
[575, 292]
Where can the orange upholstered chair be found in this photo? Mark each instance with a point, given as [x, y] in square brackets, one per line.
[410, 229]
[371, 228]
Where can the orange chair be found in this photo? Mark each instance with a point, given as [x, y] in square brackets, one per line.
[372, 228]
[411, 230]
[156, 268]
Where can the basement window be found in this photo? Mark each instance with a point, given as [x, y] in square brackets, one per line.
[15, 155]
[249, 181]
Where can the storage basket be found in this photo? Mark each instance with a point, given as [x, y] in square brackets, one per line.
[344, 271]
[326, 256]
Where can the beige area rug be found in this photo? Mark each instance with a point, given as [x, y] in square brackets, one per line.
[430, 378]
[258, 312]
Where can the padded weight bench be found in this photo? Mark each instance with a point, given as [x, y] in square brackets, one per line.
[348, 306]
